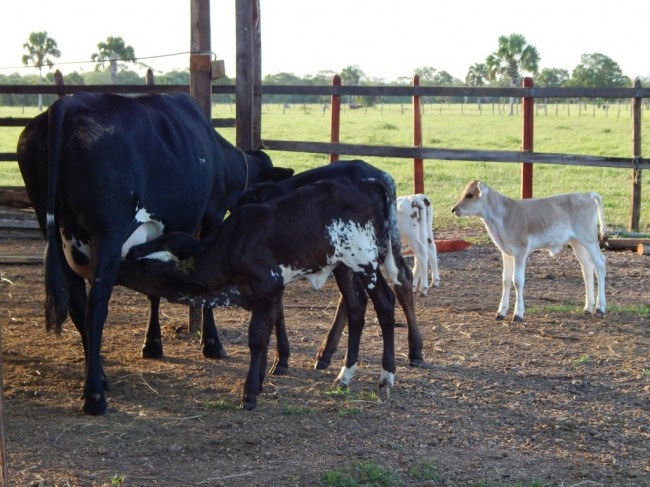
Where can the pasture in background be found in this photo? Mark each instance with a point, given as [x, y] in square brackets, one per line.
[559, 128]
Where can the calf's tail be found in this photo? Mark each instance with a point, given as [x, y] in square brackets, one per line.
[56, 289]
[601, 215]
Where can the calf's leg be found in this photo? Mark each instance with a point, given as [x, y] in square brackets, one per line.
[506, 280]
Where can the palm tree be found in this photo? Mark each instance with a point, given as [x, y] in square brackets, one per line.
[513, 56]
[476, 76]
[113, 50]
[40, 47]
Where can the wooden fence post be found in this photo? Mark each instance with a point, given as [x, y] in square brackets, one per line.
[528, 111]
[335, 116]
[245, 86]
[200, 87]
[418, 169]
[635, 214]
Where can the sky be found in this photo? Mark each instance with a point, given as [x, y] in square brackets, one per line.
[387, 39]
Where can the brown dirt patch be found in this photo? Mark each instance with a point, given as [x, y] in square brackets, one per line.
[503, 403]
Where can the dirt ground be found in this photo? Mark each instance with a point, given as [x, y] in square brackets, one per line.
[563, 398]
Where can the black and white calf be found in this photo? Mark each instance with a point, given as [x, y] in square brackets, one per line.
[307, 233]
[518, 227]
[357, 170]
[415, 219]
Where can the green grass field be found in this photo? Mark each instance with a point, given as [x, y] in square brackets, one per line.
[561, 128]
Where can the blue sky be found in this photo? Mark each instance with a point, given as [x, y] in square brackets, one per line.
[387, 39]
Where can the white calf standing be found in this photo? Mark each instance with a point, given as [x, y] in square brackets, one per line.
[415, 220]
[518, 227]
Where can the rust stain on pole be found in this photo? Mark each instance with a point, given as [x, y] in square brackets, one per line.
[335, 116]
[527, 142]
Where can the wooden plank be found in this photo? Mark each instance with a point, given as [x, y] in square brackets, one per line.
[31, 259]
[14, 197]
[624, 243]
[13, 223]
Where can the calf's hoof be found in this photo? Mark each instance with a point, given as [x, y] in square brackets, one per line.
[499, 317]
[95, 405]
[322, 364]
[599, 313]
[420, 364]
[517, 319]
[279, 369]
[248, 405]
[152, 349]
[210, 350]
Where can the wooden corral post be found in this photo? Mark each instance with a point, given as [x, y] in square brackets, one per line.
[636, 157]
[247, 90]
[418, 167]
[335, 116]
[4, 476]
[200, 86]
[527, 141]
[149, 77]
[201, 55]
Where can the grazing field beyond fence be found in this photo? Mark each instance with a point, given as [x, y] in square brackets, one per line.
[571, 128]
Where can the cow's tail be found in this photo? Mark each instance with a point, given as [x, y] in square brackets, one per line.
[601, 215]
[56, 289]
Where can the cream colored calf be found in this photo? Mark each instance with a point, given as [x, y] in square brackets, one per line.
[518, 227]
[415, 220]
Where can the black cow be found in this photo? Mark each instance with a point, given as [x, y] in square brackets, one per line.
[308, 233]
[105, 172]
[354, 169]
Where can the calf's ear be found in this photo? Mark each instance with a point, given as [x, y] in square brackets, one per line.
[482, 189]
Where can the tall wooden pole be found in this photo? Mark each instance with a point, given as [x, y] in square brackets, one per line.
[201, 55]
[200, 85]
[335, 116]
[636, 155]
[418, 166]
[527, 141]
[247, 90]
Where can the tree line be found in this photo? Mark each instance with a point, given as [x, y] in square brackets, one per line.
[513, 59]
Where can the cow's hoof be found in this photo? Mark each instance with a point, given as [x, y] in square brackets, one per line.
[152, 349]
[95, 405]
[278, 369]
[499, 317]
[212, 351]
[517, 319]
[599, 313]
